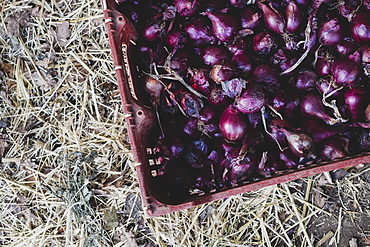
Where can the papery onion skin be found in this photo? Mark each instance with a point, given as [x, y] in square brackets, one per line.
[233, 125]
[293, 17]
[186, 7]
[251, 100]
[250, 18]
[273, 19]
[312, 107]
[213, 55]
[264, 44]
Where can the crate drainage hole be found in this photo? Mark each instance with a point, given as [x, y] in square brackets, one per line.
[139, 113]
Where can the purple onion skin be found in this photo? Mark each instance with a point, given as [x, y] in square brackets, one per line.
[217, 97]
[201, 82]
[174, 39]
[251, 100]
[331, 32]
[292, 107]
[273, 19]
[213, 55]
[198, 31]
[224, 26]
[243, 62]
[360, 27]
[312, 107]
[191, 104]
[357, 99]
[264, 44]
[186, 8]
[293, 17]
[250, 18]
[208, 114]
[268, 165]
[239, 44]
[225, 72]
[233, 125]
[345, 72]
[306, 81]
[364, 140]
[300, 143]
[332, 148]
[320, 131]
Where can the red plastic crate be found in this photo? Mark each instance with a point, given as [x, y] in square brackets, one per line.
[141, 119]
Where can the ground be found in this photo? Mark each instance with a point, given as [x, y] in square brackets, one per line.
[66, 172]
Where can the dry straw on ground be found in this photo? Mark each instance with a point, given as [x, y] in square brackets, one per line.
[65, 175]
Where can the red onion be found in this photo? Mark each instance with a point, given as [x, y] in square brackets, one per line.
[305, 81]
[199, 31]
[174, 39]
[186, 7]
[200, 81]
[238, 3]
[357, 99]
[223, 72]
[273, 19]
[170, 147]
[278, 99]
[319, 131]
[190, 128]
[332, 148]
[288, 160]
[326, 87]
[312, 106]
[241, 168]
[265, 73]
[208, 114]
[213, 55]
[251, 100]
[224, 26]
[331, 32]
[367, 113]
[360, 27]
[323, 66]
[250, 18]
[345, 72]
[233, 125]
[346, 47]
[154, 88]
[364, 140]
[293, 16]
[243, 62]
[264, 44]
[300, 143]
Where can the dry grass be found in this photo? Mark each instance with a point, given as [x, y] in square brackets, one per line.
[66, 178]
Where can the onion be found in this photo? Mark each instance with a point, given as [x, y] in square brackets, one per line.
[273, 19]
[154, 88]
[213, 55]
[198, 31]
[233, 125]
[360, 27]
[170, 147]
[190, 128]
[223, 72]
[238, 3]
[251, 100]
[200, 81]
[186, 7]
[312, 106]
[345, 72]
[326, 87]
[224, 26]
[278, 99]
[332, 148]
[346, 47]
[234, 87]
[174, 39]
[250, 18]
[319, 131]
[305, 81]
[264, 44]
[293, 16]
[300, 143]
[357, 99]
[265, 73]
[288, 160]
[323, 66]
[331, 32]
[241, 168]
[243, 63]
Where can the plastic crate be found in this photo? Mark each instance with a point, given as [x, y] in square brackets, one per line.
[141, 120]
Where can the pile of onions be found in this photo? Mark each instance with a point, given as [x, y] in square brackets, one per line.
[243, 92]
